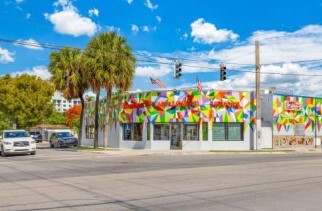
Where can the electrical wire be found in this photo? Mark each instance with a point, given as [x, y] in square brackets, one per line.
[55, 47]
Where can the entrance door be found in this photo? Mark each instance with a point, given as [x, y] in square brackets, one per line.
[175, 136]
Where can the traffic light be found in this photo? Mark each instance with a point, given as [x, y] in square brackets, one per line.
[177, 69]
[222, 72]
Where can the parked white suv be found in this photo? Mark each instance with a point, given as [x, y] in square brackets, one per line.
[17, 142]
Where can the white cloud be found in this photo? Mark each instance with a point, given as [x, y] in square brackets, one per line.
[129, 1]
[63, 3]
[28, 15]
[148, 28]
[134, 28]
[148, 70]
[192, 48]
[184, 36]
[6, 56]
[40, 71]
[159, 19]
[93, 12]
[207, 33]
[277, 51]
[113, 28]
[301, 85]
[145, 29]
[33, 44]
[150, 5]
[76, 24]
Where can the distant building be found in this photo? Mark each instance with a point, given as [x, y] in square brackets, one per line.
[62, 104]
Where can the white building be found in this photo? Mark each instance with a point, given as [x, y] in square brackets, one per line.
[62, 104]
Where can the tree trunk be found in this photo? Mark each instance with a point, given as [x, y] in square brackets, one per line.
[97, 102]
[107, 110]
[80, 132]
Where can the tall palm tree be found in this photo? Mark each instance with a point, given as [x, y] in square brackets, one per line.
[115, 66]
[69, 75]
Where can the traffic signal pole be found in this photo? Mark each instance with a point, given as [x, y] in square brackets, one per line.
[258, 99]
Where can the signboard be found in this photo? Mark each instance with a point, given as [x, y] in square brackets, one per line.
[292, 105]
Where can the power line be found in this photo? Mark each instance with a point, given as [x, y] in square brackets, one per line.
[55, 47]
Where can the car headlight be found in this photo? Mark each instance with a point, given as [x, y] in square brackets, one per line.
[33, 142]
[6, 143]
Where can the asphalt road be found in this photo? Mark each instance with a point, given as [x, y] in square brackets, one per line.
[61, 179]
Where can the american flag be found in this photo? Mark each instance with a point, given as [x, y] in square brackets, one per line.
[199, 85]
[157, 81]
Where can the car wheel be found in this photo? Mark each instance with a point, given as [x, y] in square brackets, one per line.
[33, 153]
[51, 145]
[3, 154]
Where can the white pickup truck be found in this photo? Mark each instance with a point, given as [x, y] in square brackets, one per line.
[16, 142]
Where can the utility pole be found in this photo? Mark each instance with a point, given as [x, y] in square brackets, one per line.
[258, 99]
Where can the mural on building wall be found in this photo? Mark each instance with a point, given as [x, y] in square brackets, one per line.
[180, 106]
[289, 111]
[287, 141]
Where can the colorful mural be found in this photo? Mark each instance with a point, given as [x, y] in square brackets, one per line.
[180, 106]
[290, 110]
[289, 141]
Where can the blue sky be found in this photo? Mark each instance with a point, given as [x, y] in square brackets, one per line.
[202, 34]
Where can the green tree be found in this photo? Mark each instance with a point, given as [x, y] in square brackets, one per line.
[114, 68]
[25, 100]
[5, 122]
[69, 75]
[56, 118]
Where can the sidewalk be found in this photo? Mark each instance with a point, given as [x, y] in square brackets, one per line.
[146, 152]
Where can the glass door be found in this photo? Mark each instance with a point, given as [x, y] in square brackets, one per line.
[175, 136]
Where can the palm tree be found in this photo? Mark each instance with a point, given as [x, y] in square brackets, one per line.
[69, 75]
[115, 66]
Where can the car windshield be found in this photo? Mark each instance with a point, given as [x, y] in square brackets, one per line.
[64, 134]
[15, 134]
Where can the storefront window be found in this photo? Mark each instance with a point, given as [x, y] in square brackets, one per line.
[89, 131]
[227, 131]
[132, 132]
[190, 132]
[161, 132]
[235, 132]
[219, 132]
[205, 131]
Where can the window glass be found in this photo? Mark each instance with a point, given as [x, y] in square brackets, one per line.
[205, 131]
[64, 135]
[161, 132]
[235, 132]
[218, 131]
[132, 132]
[15, 134]
[190, 132]
[89, 131]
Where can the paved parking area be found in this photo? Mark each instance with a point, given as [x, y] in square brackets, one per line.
[61, 179]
